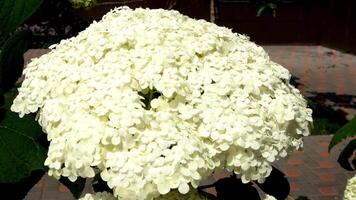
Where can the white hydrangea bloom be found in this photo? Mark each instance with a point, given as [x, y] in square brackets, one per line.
[172, 195]
[223, 104]
[269, 197]
[82, 3]
[350, 191]
[176, 195]
[99, 196]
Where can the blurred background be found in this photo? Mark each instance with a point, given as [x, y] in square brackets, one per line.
[330, 23]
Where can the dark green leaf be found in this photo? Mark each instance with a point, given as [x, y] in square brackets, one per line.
[348, 130]
[346, 154]
[260, 10]
[2, 100]
[272, 6]
[232, 188]
[11, 59]
[19, 155]
[14, 12]
[26, 125]
[19, 152]
[76, 187]
[276, 184]
[18, 190]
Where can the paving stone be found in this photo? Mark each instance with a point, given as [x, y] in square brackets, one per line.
[328, 191]
[63, 189]
[326, 177]
[34, 195]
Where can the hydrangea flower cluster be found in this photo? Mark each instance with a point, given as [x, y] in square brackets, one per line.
[350, 191]
[82, 3]
[172, 195]
[155, 101]
[269, 197]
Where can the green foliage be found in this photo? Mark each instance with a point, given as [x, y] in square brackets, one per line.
[19, 152]
[26, 125]
[327, 120]
[271, 6]
[348, 130]
[14, 12]
[323, 126]
[346, 154]
[11, 59]
[76, 188]
[264, 5]
[19, 155]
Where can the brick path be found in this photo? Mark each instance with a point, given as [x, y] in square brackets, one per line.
[312, 172]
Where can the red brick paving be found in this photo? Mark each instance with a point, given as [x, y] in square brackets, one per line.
[325, 177]
[223, 174]
[324, 154]
[292, 173]
[295, 161]
[294, 187]
[39, 184]
[211, 191]
[323, 143]
[63, 188]
[327, 164]
[327, 191]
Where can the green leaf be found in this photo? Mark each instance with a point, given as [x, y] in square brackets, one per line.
[14, 12]
[260, 10]
[11, 59]
[76, 187]
[19, 155]
[26, 125]
[2, 99]
[346, 154]
[19, 152]
[348, 130]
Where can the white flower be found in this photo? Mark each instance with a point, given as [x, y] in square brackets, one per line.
[98, 196]
[155, 101]
[269, 197]
[350, 191]
[176, 195]
[172, 195]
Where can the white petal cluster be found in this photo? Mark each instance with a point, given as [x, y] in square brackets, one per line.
[350, 191]
[223, 104]
[82, 3]
[98, 196]
[176, 195]
[172, 195]
[269, 197]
